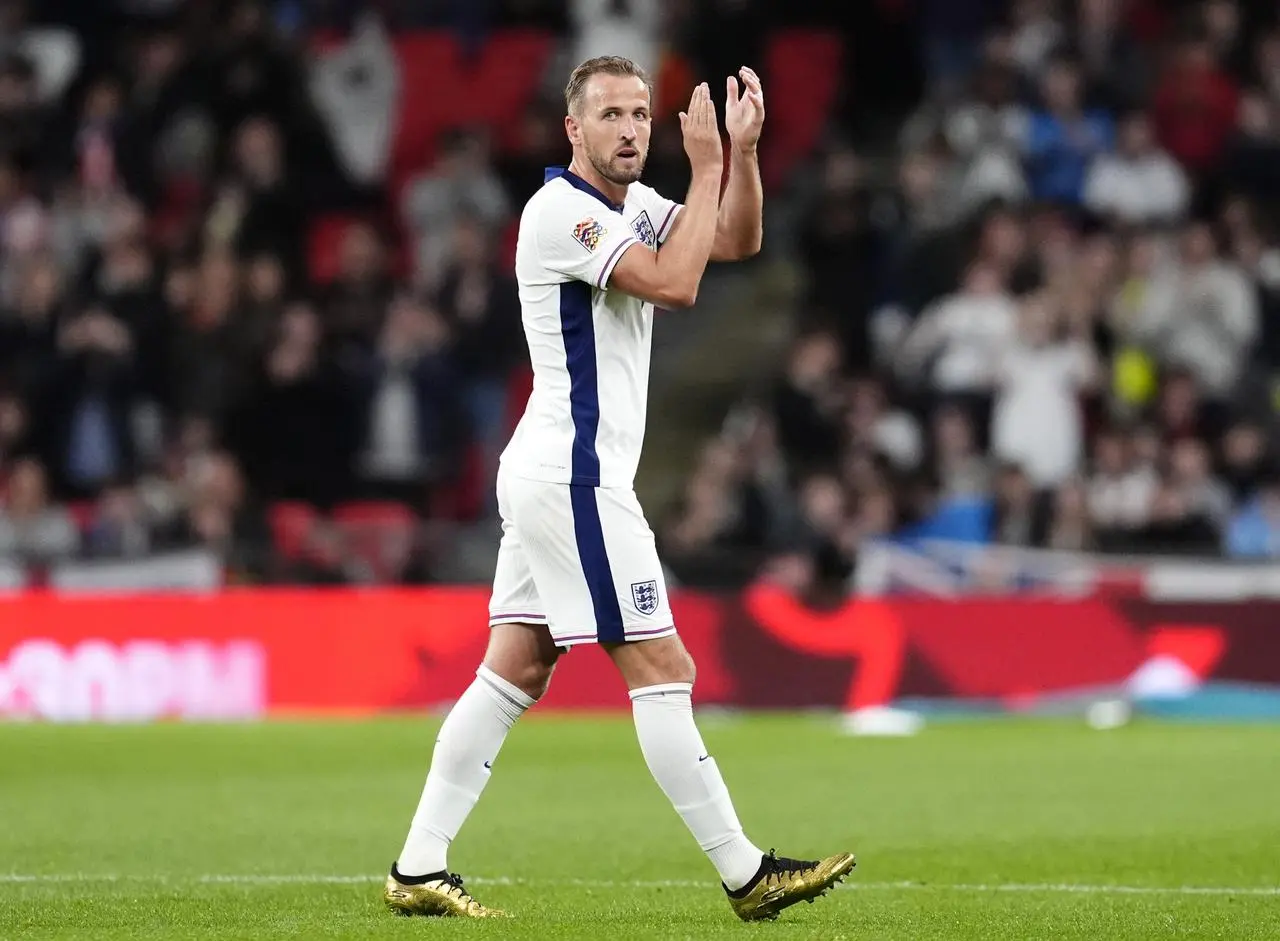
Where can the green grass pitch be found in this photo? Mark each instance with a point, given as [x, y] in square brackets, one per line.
[996, 830]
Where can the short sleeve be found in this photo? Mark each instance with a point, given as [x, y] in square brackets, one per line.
[581, 238]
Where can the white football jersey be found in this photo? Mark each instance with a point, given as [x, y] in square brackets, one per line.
[589, 345]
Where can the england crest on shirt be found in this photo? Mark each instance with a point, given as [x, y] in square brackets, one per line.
[643, 228]
[645, 596]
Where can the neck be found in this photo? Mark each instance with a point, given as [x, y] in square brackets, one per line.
[617, 192]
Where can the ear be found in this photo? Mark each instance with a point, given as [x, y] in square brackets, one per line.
[572, 129]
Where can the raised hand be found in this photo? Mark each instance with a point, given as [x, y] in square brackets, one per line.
[701, 132]
[744, 113]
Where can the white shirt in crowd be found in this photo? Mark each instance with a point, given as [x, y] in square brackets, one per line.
[589, 345]
[1037, 422]
[1201, 318]
[967, 336]
[1137, 190]
[1122, 501]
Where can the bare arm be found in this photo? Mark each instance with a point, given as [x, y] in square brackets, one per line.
[740, 222]
[740, 227]
[670, 278]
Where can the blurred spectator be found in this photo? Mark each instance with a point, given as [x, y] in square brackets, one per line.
[1175, 525]
[1139, 184]
[960, 341]
[15, 429]
[951, 36]
[1254, 532]
[840, 247]
[87, 412]
[1037, 423]
[986, 133]
[1252, 157]
[960, 465]
[462, 183]
[1120, 488]
[808, 401]
[1195, 107]
[23, 118]
[356, 302]
[1037, 32]
[872, 425]
[540, 143]
[728, 515]
[1064, 138]
[221, 516]
[1245, 460]
[258, 207]
[830, 534]
[28, 331]
[409, 405]
[1201, 314]
[1111, 62]
[1191, 474]
[1021, 513]
[479, 301]
[31, 528]
[118, 528]
[294, 431]
[1070, 528]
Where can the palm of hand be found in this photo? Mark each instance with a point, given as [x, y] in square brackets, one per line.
[744, 114]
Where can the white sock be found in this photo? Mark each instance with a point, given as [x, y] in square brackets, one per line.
[468, 743]
[689, 777]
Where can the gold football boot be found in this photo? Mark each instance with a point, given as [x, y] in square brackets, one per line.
[441, 895]
[782, 882]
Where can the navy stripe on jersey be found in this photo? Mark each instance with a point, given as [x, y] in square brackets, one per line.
[589, 534]
[578, 330]
[577, 182]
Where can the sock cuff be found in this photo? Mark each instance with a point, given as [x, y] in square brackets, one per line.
[508, 691]
[661, 690]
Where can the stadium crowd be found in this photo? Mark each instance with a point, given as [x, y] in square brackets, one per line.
[1053, 323]
[243, 308]
[236, 288]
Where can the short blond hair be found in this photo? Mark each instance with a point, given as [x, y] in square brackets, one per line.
[600, 65]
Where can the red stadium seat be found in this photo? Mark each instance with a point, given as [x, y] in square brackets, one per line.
[382, 534]
[442, 90]
[83, 513]
[324, 245]
[802, 69]
[291, 524]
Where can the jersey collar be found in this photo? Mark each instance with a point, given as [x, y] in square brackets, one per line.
[578, 182]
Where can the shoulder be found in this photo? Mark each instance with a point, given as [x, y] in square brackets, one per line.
[560, 212]
[648, 197]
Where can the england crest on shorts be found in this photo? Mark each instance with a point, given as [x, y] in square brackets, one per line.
[645, 596]
[643, 228]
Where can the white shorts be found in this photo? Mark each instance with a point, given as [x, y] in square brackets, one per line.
[581, 560]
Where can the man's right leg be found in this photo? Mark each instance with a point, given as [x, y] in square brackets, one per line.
[515, 673]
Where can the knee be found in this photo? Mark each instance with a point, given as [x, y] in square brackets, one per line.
[683, 669]
[534, 679]
[531, 678]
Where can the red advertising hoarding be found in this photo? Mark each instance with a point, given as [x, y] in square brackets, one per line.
[244, 654]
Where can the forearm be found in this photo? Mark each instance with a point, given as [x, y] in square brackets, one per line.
[684, 256]
[741, 217]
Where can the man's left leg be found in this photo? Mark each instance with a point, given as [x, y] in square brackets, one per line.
[660, 674]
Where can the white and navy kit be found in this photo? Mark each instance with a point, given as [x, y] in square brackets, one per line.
[576, 551]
